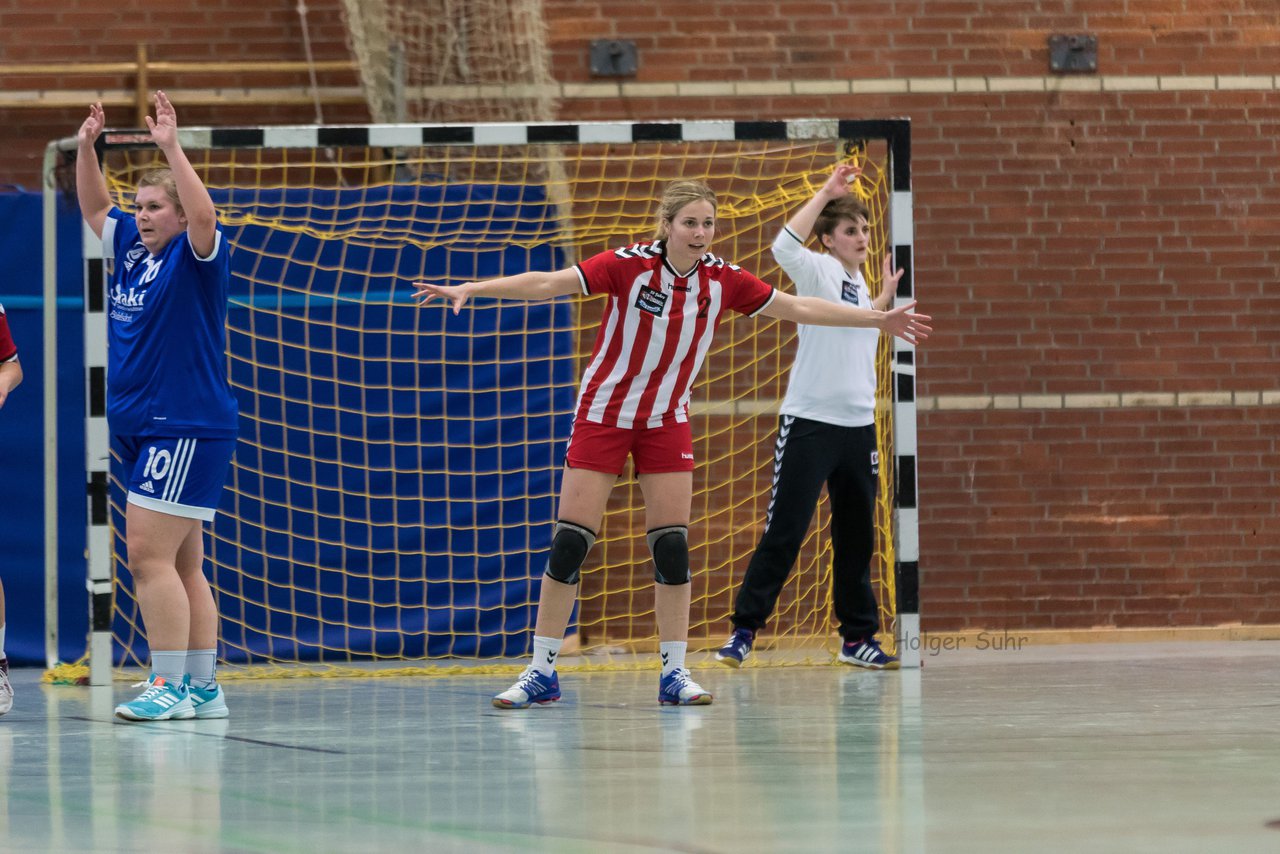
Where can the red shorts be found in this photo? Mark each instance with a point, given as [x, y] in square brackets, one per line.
[597, 447]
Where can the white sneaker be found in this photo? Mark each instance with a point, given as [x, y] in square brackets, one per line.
[532, 687]
[677, 688]
[6, 690]
[209, 702]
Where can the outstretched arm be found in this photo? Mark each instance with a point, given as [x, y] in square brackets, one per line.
[91, 186]
[531, 286]
[901, 321]
[202, 217]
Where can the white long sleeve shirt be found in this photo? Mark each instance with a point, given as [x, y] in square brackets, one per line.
[833, 378]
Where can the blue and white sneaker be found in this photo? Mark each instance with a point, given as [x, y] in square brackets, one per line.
[162, 701]
[867, 653]
[209, 702]
[532, 687]
[736, 650]
[677, 688]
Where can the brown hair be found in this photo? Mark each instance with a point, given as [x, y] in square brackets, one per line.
[844, 207]
[162, 178]
[676, 196]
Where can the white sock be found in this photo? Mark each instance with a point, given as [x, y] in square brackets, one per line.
[545, 652]
[672, 655]
[2, 655]
[201, 664]
[169, 665]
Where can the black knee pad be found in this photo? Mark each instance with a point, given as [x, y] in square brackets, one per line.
[569, 546]
[670, 549]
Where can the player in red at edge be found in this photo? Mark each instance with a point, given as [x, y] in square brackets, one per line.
[10, 377]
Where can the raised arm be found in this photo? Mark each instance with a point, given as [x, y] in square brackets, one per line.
[531, 286]
[801, 224]
[197, 206]
[91, 186]
[837, 185]
[901, 321]
[888, 283]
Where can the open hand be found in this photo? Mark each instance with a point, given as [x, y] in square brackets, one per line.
[891, 277]
[164, 127]
[838, 184]
[906, 324]
[92, 127]
[458, 295]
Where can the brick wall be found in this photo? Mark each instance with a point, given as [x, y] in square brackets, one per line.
[1100, 256]
[222, 31]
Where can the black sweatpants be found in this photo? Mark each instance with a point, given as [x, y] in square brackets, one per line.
[807, 455]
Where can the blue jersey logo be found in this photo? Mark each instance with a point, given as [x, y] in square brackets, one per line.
[133, 256]
[849, 291]
[132, 298]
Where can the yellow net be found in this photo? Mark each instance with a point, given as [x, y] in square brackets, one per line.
[393, 491]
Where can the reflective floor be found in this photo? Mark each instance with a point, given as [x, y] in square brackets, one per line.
[1091, 748]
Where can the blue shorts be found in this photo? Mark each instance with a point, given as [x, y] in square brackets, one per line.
[180, 477]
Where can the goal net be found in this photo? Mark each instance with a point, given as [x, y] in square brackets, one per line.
[394, 487]
[452, 60]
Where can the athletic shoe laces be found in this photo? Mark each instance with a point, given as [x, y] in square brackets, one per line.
[528, 682]
[681, 678]
[156, 689]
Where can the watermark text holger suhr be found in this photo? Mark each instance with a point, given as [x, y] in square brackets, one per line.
[988, 641]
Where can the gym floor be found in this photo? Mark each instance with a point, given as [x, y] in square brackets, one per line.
[1090, 748]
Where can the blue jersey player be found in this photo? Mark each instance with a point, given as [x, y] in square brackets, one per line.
[172, 416]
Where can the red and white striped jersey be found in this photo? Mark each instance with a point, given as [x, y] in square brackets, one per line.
[8, 350]
[656, 331]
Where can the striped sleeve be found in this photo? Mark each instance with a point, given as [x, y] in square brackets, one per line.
[749, 295]
[596, 274]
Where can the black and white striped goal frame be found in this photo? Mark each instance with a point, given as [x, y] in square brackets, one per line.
[895, 133]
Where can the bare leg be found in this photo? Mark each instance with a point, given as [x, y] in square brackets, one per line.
[555, 605]
[668, 498]
[154, 540]
[667, 501]
[6, 689]
[203, 633]
[671, 604]
[583, 496]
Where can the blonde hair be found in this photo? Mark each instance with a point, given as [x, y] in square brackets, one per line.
[162, 178]
[676, 196]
